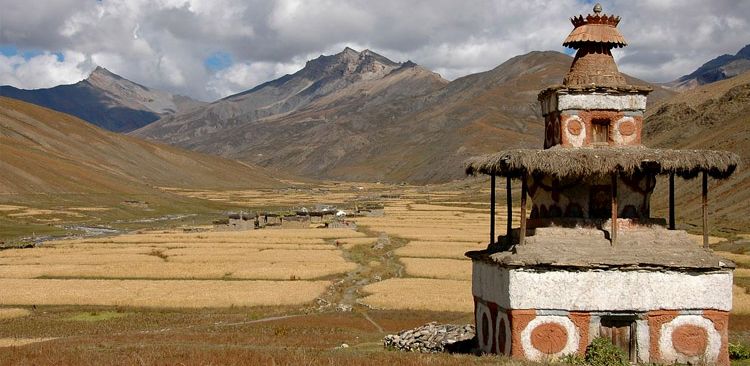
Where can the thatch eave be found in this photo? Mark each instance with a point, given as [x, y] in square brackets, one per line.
[564, 162]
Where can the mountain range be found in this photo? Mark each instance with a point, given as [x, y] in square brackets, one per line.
[359, 116]
[720, 68]
[106, 100]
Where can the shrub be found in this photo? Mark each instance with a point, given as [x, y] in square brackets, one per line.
[738, 351]
[601, 352]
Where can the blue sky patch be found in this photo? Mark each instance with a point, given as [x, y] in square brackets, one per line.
[218, 61]
[9, 50]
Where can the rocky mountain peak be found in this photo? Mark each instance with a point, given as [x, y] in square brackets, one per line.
[744, 52]
[349, 62]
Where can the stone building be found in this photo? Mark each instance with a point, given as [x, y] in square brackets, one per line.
[589, 260]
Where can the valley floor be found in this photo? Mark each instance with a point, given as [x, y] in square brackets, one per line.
[177, 292]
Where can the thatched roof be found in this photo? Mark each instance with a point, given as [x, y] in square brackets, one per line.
[591, 161]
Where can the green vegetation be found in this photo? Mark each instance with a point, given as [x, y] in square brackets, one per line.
[95, 316]
[601, 352]
[738, 351]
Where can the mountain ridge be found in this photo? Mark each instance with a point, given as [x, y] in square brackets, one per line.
[404, 124]
[106, 100]
[720, 68]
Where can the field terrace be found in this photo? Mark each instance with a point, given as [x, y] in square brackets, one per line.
[247, 296]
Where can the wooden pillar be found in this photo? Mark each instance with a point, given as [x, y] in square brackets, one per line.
[613, 231]
[522, 231]
[492, 209]
[705, 209]
[671, 201]
[509, 198]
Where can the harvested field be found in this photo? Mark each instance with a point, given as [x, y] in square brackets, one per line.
[132, 264]
[159, 294]
[11, 208]
[420, 294]
[740, 300]
[18, 342]
[451, 269]
[187, 271]
[437, 249]
[8, 313]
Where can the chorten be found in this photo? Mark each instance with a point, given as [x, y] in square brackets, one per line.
[589, 260]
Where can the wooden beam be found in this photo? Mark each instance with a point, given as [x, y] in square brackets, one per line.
[613, 231]
[492, 209]
[671, 201]
[524, 190]
[509, 198]
[705, 210]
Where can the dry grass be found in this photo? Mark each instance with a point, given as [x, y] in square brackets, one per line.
[34, 257]
[90, 209]
[43, 212]
[168, 270]
[166, 294]
[742, 260]
[9, 313]
[357, 241]
[271, 255]
[4, 208]
[698, 239]
[18, 342]
[452, 269]
[740, 300]
[434, 249]
[420, 294]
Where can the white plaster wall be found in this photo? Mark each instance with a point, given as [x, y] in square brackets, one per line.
[490, 283]
[601, 101]
[601, 290]
[669, 354]
[643, 341]
[549, 104]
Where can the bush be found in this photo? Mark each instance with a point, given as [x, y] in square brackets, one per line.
[601, 352]
[738, 351]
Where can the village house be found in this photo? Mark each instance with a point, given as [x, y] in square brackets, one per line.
[588, 260]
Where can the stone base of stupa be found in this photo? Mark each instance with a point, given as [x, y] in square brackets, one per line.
[661, 304]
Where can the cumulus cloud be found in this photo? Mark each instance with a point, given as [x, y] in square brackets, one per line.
[43, 71]
[166, 43]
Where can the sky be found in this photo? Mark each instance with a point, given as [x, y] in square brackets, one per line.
[208, 49]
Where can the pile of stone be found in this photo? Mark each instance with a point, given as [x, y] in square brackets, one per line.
[433, 338]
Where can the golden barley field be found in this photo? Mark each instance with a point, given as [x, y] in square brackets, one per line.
[420, 294]
[177, 269]
[158, 293]
[9, 313]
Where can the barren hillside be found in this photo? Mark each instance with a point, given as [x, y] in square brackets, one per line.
[43, 151]
[359, 116]
[713, 116]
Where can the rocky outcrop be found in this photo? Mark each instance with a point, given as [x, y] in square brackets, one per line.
[433, 338]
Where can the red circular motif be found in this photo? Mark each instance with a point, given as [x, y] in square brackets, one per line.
[574, 127]
[549, 338]
[627, 128]
[690, 340]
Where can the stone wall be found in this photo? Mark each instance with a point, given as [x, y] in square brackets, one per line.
[539, 315]
[660, 336]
